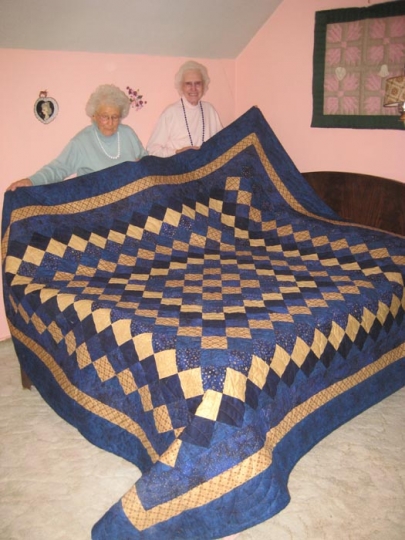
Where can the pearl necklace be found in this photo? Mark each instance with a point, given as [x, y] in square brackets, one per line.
[188, 129]
[105, 151]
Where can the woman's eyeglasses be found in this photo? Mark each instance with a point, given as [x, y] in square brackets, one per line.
[105, 118]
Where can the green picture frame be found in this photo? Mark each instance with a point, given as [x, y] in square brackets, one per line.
[322, 20]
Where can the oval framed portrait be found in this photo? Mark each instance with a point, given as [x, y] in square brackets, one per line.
[46, 109]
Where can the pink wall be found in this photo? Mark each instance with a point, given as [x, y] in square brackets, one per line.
[69, 77]
[283, 50]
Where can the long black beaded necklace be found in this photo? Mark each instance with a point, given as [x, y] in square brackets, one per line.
[188, 129]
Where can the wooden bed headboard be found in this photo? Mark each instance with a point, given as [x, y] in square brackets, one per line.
[362, 198]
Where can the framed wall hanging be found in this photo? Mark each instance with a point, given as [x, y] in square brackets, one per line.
[45, 108]
[355, 51]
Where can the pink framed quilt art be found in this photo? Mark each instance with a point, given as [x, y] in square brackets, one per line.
[355, 51]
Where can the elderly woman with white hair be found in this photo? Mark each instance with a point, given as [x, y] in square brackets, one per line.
[189, 122]
[104, 143]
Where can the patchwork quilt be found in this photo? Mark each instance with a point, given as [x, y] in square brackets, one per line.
[206, 317]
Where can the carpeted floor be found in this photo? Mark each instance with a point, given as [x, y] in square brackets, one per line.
[54, 485]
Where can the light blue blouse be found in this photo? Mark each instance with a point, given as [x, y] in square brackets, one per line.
[85, 153]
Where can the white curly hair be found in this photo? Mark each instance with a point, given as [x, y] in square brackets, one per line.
[187, 66]
[108, 94]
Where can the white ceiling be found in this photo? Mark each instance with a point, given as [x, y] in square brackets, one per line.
[190, 28]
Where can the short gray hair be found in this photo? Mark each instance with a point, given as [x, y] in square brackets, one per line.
[191, 65]
[108, 94]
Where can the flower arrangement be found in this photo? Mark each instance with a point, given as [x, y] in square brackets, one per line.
[136, 99]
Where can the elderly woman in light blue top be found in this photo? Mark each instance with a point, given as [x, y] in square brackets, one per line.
[104, 143]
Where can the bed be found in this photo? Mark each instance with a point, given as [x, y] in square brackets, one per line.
[206, 317]
[365, 199]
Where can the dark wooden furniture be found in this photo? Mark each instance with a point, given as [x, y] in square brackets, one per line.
[361, 198]
[25, 380]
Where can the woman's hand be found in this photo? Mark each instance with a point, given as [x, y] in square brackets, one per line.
[24, 182]
[187, 148]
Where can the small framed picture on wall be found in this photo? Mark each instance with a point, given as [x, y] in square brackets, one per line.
[46, 108]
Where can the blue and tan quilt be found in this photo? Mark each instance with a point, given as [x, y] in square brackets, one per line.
[205, 317]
